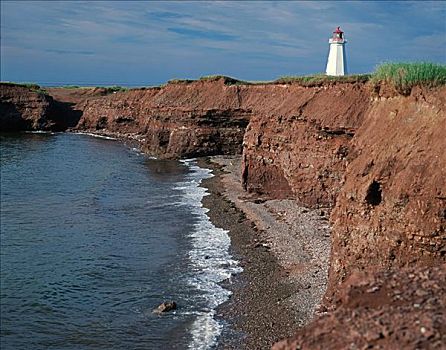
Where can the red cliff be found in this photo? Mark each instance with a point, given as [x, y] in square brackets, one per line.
[178, 120]
[22, 108]
[377, 161]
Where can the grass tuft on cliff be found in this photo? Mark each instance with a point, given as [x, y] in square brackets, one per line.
[227, 80]
[404, 76]
[112, 89]
[180, 81]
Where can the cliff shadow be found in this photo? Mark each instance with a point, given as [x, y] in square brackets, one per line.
[11, 118]
[64, 115]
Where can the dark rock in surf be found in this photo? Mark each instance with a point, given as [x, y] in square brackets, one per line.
[165, 307]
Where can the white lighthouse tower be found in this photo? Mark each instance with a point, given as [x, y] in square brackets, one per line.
[336, 63]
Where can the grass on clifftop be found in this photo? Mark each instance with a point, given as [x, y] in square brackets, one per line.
[108, 89]
[308, 80]
[37, 88]
[227, 80]
[115, 88]
[33, 87]
[404, 76]
[320, 79]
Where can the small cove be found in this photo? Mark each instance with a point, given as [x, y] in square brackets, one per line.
[93, 236]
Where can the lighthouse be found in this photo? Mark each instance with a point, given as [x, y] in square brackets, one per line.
[336, 63]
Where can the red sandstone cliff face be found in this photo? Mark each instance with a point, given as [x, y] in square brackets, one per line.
[209, 117]
[391, 210]
[67, 107]
[377, 159]
[23, 109]
[379, 162]
[178, 120]
[302, 151]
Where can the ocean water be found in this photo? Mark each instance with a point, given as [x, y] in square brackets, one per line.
[94, 235]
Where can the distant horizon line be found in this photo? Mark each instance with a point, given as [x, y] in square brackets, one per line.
[79, 83]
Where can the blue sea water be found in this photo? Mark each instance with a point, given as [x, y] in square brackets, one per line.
[94, 235]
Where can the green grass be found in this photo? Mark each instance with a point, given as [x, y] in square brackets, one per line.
[227, 80]
[108, 89]
[320, 79]
[404, 76]
[180, 81]
[111, 89]
[38, 89]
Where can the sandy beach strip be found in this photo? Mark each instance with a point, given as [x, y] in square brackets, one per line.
[284, 250]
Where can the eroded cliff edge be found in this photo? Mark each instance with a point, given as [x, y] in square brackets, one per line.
[371, 157]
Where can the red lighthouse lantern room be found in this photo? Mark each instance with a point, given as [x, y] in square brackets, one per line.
[338, 35]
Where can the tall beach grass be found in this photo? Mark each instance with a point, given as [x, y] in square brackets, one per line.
[404, 76]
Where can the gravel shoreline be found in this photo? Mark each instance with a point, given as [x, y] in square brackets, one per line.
[284, 251]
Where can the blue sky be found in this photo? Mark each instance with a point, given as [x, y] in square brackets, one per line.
[148, 43]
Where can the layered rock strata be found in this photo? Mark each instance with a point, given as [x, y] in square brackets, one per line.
[377, 161]
[178, 120]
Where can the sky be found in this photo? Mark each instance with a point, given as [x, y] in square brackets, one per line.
[140, 43]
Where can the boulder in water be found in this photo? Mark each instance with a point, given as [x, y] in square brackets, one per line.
[165, 307]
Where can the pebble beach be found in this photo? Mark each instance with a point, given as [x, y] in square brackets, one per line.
[284, 251]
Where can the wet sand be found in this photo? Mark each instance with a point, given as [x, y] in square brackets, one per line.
[284, 250]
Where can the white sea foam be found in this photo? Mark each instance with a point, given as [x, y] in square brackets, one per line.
[210, 259]
[136, 150]
[96, 135]
[40, 132]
